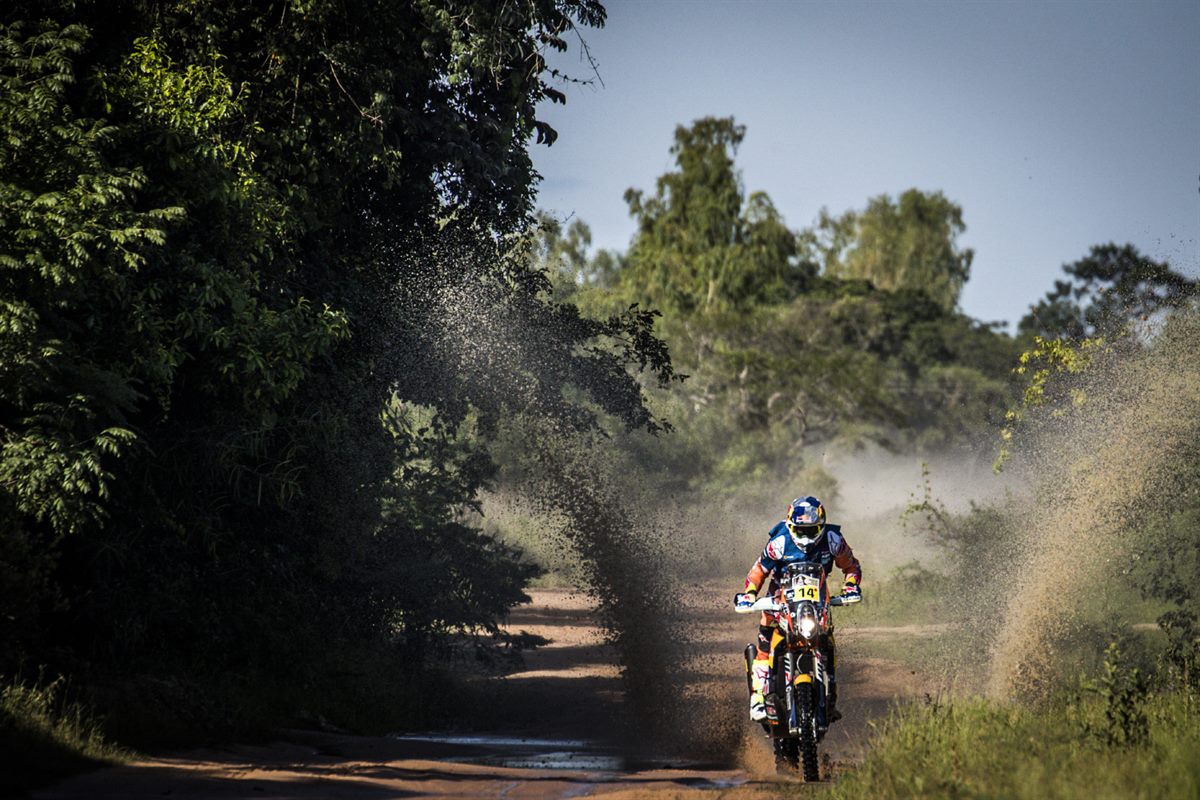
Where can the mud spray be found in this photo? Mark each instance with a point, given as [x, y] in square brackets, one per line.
[623, 556]
[1095, 476]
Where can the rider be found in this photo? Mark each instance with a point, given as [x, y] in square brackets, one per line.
[802, 536]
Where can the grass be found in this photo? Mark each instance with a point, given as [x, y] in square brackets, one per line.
[978, 749]
[44, 737]
[1115, 739]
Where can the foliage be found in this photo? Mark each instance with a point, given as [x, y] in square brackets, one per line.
[841, 358]
[904, 244]
[1169, 561]
[1122, 692]
[264, 283]
[1105, 292]
[561, 252]
[1181, 660]
[974, 748]
[45, 736]
[1045, 369]
[911, 594]
[976, 544]
[771, 348]
[701, 245]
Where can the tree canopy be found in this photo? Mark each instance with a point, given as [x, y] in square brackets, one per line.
[909, 243]
[1104, 292]
[700, 242]
[263, 297]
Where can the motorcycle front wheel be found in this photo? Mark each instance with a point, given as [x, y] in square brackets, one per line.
[806, 745]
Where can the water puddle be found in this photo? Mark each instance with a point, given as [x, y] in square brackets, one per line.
[560, 754]
[524, 752]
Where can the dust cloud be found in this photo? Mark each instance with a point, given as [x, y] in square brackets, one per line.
[875, 486]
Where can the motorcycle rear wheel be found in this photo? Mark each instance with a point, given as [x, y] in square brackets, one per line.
[787, 755]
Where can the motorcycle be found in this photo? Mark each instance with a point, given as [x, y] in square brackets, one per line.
[797, 690]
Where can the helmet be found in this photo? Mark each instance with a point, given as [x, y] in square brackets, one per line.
[806, 520]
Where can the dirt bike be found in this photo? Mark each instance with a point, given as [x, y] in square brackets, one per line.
[797, 689]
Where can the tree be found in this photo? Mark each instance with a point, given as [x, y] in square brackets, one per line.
[700, 244]
[1106, 291]
[905, 244]
[243, 245]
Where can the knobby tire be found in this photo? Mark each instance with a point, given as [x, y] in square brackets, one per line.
[787, 755]
[807, 743]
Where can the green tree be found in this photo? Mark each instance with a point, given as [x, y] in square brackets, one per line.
[910, 243]
[701, 244]
[873, 349]
[242, 246]
[1106, 291]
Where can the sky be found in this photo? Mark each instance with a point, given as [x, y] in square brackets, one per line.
[1054, 125]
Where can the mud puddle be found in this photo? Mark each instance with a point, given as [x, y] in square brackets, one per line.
[579, 755]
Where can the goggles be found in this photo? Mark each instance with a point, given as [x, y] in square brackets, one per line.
[810, 532]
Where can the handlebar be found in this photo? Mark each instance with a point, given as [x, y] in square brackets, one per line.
[768, 604]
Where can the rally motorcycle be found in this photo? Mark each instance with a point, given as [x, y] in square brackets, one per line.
[797, 686]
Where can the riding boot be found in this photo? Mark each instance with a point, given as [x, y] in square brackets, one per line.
[831, 710]
[758, 686]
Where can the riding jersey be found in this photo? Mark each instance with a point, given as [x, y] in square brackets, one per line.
[782, 550]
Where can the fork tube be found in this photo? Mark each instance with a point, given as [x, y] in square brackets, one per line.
[793, 722]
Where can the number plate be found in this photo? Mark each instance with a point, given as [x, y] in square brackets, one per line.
[812, 592]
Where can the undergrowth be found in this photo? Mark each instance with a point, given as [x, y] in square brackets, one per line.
[968, 749]
[1114, 736]
[44, 736]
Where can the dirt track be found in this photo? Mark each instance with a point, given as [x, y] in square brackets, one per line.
[563, 733]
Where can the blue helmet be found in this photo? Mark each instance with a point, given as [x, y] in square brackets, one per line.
[806, 521]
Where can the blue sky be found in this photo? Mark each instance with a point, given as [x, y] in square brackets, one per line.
[1055, 126]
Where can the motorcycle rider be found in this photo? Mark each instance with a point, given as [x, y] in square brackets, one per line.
[802, 536]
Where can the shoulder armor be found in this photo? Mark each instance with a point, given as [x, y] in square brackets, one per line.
[837, 542]
[776, 546]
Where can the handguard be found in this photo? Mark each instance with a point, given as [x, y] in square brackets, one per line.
[762, 604]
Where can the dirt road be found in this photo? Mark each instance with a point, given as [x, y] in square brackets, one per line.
[562, 733]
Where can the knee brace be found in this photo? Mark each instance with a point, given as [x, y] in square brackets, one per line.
[764, 640]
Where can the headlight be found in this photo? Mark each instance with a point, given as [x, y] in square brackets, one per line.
[807, 626]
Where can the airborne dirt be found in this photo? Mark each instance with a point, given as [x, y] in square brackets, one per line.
[562, 730]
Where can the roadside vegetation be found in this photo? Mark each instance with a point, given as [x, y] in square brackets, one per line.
[1120, 730]
[44, 736]
[1089, 411]
[976, 749]
[1075, 696]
